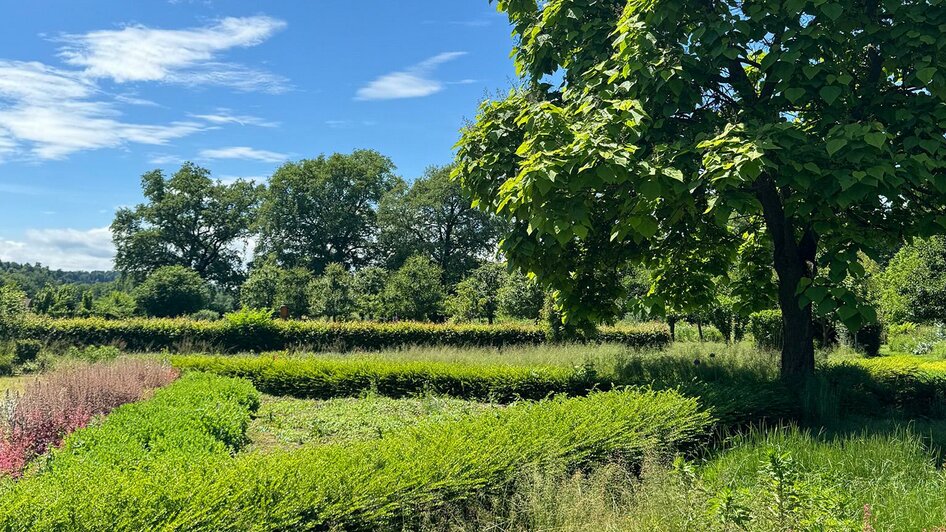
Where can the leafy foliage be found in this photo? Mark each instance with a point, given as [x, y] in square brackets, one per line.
[331, 294]
[913, 285]
[819, 122]
[323, 210]
[172, 291]
[477, 296]
[414, 291]
[189, 220]
[520, 297]
[434, 217]
[12, 310]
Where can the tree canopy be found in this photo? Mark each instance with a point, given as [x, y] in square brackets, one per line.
[323, 210]
[670, 133]
[434, 217]
[189, 220]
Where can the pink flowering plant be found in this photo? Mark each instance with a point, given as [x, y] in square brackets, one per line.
[54, 405]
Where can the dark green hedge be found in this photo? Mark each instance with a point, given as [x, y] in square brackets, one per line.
[182, 334]
[766, 328]
[319, 378]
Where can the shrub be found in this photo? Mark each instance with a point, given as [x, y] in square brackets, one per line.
[172, 291]
[331, 295]
[115, 306]
[25, 351]
[58, 403]
[766, 328]
[185, 478]
[205, 315]
[12, 311]
[94, 353]
[869, 337]
[255, 330]
[476, 296]
[907, 384]
[520, 297]
[316, 378]
[414, 291]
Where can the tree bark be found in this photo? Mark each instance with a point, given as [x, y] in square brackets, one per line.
[794, 253]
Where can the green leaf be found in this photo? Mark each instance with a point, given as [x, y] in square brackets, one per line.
[830, 93]
[794, 94]
[875, 138]
[926, 74]
[834, 11]
[833, 145]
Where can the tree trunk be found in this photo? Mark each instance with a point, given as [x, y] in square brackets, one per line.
[699, 329]
[794, 259]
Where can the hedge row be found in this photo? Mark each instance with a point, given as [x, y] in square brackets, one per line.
[180, 334]
[98, 483]
[320, 378]
[733, 401]
[910, 385]
[129, 471]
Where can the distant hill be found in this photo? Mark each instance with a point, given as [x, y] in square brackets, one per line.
[33, 277]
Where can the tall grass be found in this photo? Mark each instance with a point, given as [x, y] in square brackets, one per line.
[53, 405]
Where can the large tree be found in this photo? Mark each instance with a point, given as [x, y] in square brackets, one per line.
[323, 210]
[434, 217]
[648, 131]
[188, 220]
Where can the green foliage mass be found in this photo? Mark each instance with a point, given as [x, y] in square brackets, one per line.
[414, 291]
[324, 210]
[331, 295]
[189, 220]
[255, 330]
[913, 285]
[677, 132]
[520, 297]
[172, 291]
[12, 311]
[352, 486]
[477, 296]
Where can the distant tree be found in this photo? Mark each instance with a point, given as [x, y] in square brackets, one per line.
[172, 291]
[12, 310]
[269, 286]
[320, 211]
[477, 296]
[913, 285]
[188, 220]
[520, 297]
[115, 305]
[435, 217]
[331, 294]
[368, 286]
[414, 291]
[259, 289]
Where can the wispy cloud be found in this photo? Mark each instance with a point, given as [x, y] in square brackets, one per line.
[67, 249]
[415, 82]
[55, 113]
[226, 116]
[245, 153]
[188, 56]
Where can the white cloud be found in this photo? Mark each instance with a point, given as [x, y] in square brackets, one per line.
[66, 249]
[226, 116]
[244, 152]
[415, 82]
[188, 56]
[52, 113]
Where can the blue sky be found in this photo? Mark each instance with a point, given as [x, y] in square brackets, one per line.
[94, 94]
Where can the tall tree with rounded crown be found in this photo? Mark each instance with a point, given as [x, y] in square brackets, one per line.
[671, 133]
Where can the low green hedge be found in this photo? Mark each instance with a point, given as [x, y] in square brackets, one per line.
[362, 486]
[180, 334]
[766, 328]
[116, 474]
[913, 386]
[320, 378]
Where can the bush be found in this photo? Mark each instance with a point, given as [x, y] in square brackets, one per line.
[869, 337]
[766, 328]
[331, 294]
[12, 311]
[255, 330]
[205, 315]
[906, 384]
[58, 403]
[115, 306]
[144, 457]
[172, 291]
[186, 478]
[25, 351]
[520, 297]
[316, 378]
[414, 292]
[94, 353]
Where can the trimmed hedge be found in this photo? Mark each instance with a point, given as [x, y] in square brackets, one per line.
[319, 378]
[910, 385]
[115, 475]
[158, 334]
[362, 486]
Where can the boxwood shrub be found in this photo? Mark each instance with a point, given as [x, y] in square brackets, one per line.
[231, 335]
[106, 478]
